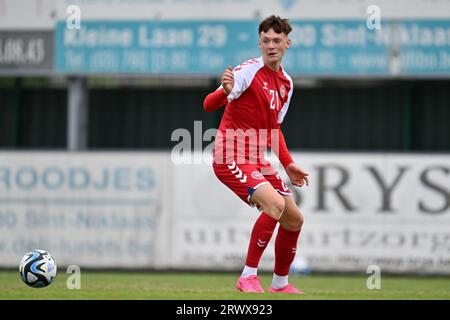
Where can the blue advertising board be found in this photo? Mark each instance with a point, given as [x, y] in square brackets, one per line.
[319, 47]
[425, 47]
[154, 47]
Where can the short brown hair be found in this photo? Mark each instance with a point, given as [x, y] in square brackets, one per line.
[276, 23]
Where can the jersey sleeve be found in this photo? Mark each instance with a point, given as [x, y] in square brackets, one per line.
[243, 77]
[283, 153]
[284, 156]
[215, 100]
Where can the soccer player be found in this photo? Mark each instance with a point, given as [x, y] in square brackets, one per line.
[257, 95]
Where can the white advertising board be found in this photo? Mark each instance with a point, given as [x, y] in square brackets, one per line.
[360, 210]
[43, 14]
[143, 210]
[252, 9]
[87, 209]
[28, 15]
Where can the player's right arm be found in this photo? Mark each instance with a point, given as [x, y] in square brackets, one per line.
[218, 98]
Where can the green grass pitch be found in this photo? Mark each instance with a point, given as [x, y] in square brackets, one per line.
[211, 286]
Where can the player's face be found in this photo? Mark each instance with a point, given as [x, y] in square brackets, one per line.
[273, 45]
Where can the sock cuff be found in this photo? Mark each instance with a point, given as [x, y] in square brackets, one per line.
[266, 219]
[288, 234]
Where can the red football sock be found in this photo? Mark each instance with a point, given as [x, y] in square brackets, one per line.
[285, 248]
[261, 234]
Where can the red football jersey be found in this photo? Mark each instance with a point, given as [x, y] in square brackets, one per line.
[256, 107]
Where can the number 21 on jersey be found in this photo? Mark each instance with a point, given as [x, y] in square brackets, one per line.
[274, 100]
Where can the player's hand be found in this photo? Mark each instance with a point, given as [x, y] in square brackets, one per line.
[298, 177]
[228, 80]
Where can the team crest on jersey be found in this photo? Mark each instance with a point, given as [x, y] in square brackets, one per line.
[282, 91]
[257, 175]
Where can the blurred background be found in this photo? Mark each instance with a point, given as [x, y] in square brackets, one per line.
[92, 93]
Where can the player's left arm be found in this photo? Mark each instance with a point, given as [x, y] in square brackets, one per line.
[298, 176]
